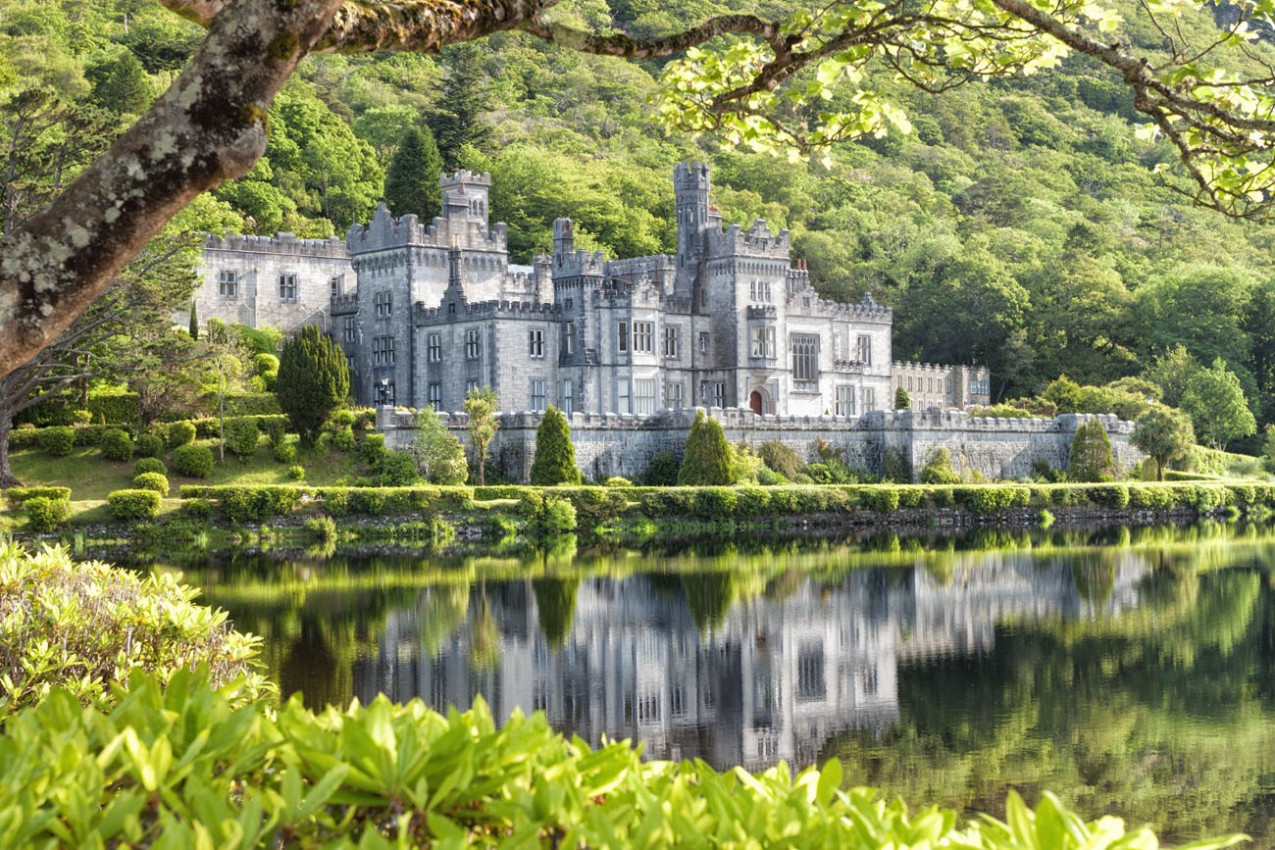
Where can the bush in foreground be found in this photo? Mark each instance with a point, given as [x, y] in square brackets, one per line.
[193, 461]
[116, 444]
[180, 766]
[133, 504]
[45, 514]
[83, 627]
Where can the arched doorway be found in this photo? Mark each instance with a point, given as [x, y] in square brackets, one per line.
[754, 402]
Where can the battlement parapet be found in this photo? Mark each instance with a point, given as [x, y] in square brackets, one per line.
[385, 231]
[281, 243]
[492, 309]
[757, 242]
[866, 310]
[446, 181]
[344, 305]
[579, 263]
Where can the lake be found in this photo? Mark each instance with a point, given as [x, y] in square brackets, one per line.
[1130, 671]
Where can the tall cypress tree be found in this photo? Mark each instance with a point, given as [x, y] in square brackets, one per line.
[464, 97]
[313, 380]
[707, 459]
[411, 182]
[194, 322]
[555, 460]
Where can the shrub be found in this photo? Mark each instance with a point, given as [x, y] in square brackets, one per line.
[45, 514]
[751, 501]
[343, 418]
[781, 458]
[296, 473]
[312, 381]
[396, 469]
[58, 440]
[555, 457]
[1108, 496]
[547, 514]
[254, 504]
[990, 499]
[285, 452]
[663, 469]
[18, 496]
[896, 466]
[242, 436]
[343, 439]
[149, 464]
[938, 469]
[617, 481]
[274, 427]
[133, 504]
[149, 445]
[180, 433]
[882, 499]
[715, 503]
[193, 461]
[105, 622]
[116, 444]
[151, 481]
[1091, 458]
[706, 462]
[198, 508]
[438, 452]
[322, 527]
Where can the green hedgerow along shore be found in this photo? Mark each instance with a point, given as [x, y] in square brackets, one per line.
[184, 758]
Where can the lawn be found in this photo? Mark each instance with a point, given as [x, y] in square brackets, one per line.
[91, 477]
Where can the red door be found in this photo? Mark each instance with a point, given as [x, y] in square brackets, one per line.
[754, 402]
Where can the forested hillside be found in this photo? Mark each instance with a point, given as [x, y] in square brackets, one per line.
[1019, 224]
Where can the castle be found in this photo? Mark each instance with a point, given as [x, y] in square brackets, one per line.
[426, 312]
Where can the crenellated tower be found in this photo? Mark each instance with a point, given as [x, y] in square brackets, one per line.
[690, 185]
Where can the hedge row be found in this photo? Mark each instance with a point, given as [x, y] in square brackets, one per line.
[30, 438]
[15, 496]
[91, 435]
[249, 504]
[106, 408]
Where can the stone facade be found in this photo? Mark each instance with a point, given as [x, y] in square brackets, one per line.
[933, 385]
[613, 445]
[425, 312]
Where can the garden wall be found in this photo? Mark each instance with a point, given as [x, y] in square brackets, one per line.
[612, 444]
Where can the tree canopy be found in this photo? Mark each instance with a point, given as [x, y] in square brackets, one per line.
[794, 78]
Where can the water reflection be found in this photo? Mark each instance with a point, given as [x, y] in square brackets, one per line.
[1132, 676]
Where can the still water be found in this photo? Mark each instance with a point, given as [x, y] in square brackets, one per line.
[1130, 672]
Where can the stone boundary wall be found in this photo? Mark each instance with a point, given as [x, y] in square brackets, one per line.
[622, 444]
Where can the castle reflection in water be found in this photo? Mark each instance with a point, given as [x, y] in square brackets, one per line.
[775, 679]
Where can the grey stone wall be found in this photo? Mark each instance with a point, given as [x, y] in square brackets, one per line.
[623, 445]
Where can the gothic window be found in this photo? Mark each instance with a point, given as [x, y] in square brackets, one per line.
[350, 330]
[570, 335]
[287, 287]
[622, 336]
[624, 403]
[568, 398]
[383, 304]
[675, 399]
[703, 343]
[644, 337]
[383, 351]
[869, 399]
[644, 396]
[338, 285]
[763, 342]
[863, 350]
[434, 348]
[473, 343]
[672, 342]
[536, 343]
[845, 400]
[228, 283]
[539, 393]
[805, 360]
[435, 395]
[712, 394]
[759, 291]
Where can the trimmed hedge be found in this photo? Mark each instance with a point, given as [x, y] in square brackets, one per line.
[244, 504]
[179, 434]
[193, 461]
[150, 464]
[133, 504]
[152, 481]
[57, 441]
[17, 496]
[206, 429]
[149, 445]
[45, 514]
[116, 444]
[242, 436]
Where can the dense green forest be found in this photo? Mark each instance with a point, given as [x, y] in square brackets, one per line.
[1020, 224]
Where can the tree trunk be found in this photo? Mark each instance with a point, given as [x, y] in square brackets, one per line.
[7, 478]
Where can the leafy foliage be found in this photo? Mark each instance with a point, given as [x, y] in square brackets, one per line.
[137, 504]
[439, 453]
[480, 405]
[45, 514]
[116, 444]
[706, 461]
[193, 461]
[411, 182]
[313, 379]
[555, 457]
[1164, 434]
[902, 401]
[1091, 458]
[938, 469]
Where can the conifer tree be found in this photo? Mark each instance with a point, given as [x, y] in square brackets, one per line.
[902, 401]
[464, 96]
[707, 458]
[555, 460]
[313, 380]
[1091, 458]
[122, 86]
[194, 322]
[411, 182]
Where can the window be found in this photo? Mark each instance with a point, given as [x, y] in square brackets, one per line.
[434, 348]
[350, 330]
[763, 340]
[624, 403]
[385, 392]
[649, 707]
[570, 334]
[644, 337]
[675, 399]
[349, 363]
[473, 343]
[434, 397]
[863, 350]
[471, 386]
[383, 351]
[287, 287]
[909, 383]
[338, 285]
[672, 342]
[677, 701]
[539, 393]
[759, 291]
[703, 342]
[845, 400]
[712, 394]
[805, 360]
[869, 399]
[228, 283]
[929, 385]
[536, 343]
[810, 673]
[568, 398]
[383, 303]
[644, 396]
[622, 336]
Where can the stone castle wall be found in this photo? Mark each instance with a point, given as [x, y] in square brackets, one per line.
[623, 445]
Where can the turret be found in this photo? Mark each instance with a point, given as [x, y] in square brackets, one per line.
[465, 196]
[563, 236]
[690, 185]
